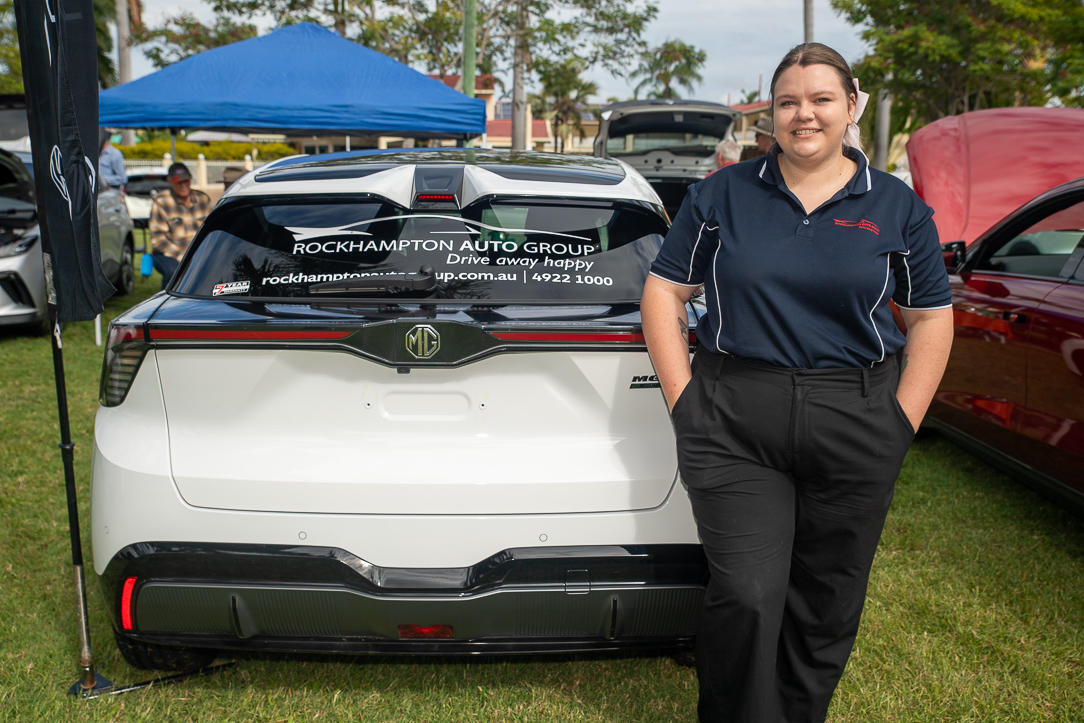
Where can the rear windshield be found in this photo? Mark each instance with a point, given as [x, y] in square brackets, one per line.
[692, 144]
[145, 185]
[497, 250]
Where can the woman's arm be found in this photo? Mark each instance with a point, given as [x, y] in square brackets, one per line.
[929, 340]
[666, 330]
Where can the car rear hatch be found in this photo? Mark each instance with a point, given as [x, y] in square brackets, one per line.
[278, 399]
[671, 143]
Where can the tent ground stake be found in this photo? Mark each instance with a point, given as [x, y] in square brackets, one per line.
[104, 687]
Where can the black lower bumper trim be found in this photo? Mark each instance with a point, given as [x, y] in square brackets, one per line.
[313, 599]
[340, 646]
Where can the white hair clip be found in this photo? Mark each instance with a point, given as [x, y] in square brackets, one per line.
[850, 136]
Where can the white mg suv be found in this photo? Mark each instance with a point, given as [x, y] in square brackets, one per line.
[397, 402]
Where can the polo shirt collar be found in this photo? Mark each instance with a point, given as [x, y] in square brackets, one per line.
[860, 182]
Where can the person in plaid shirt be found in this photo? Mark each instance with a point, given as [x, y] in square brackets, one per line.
[175, 218]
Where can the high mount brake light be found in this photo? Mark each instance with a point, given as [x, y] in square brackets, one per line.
[435, 202]
[124, 352]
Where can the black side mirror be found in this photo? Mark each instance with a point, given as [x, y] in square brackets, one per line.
[953, 253]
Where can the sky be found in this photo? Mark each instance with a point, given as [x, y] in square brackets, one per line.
[743, 39]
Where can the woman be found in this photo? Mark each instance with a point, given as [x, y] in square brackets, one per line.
[794, 418]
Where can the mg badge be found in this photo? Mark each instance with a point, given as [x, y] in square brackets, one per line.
[423, 341]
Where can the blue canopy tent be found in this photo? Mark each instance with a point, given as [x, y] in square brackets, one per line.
[302, 78]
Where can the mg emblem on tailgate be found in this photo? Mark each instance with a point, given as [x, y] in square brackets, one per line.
[423, 341]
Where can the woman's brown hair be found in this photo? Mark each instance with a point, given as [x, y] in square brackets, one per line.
[808, 54]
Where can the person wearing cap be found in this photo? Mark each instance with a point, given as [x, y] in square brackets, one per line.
[803, 396]
[727, 152]
[110, 162]
[762, 130]
[175, 218]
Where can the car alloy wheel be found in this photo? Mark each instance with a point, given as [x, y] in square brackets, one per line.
[126, 279]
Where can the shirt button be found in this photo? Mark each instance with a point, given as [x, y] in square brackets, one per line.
[806, 222]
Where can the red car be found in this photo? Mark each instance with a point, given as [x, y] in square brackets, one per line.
[1014, 388]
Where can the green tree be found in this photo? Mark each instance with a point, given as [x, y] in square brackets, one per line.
[563, 97]
[1065, 63]
[672, 63]
[182, 36]
[11, 65]
[429, 32]
[953, 56]
[105, 13]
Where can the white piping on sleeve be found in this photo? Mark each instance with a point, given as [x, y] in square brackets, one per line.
[907, 266]
[692, 256]
[924, 308]
[676, 283]
[888, 273]
[718, 302]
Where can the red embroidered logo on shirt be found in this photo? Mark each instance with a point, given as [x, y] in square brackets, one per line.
[863, 223]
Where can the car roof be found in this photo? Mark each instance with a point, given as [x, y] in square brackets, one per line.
[486, 172]
[147, 172]
[626, 106]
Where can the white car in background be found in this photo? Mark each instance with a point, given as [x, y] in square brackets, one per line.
[142, 186]
[671, 142]
[397, 403]
[22, 271]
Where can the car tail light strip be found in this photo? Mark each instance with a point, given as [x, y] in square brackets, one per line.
[126, 603]
[628, 337]
[242, 335]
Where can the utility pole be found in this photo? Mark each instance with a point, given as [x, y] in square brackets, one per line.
[881, 133]
[470, 37]
[809, 21]
[519, 80]
[124, 64]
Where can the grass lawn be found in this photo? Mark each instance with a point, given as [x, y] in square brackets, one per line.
[975, 612]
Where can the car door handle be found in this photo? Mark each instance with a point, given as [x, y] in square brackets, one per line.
[1014, 317]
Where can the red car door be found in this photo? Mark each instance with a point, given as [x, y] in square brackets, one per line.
[1055, 382]
[986, 375]
[1016, 307]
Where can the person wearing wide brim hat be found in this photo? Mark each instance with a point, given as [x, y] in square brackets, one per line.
[762, 131]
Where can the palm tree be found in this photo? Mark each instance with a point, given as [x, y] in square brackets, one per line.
[564, 94]
[672, 63]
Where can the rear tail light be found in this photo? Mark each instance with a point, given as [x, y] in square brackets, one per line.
[432, 631]
[124, 352]
[126, 603]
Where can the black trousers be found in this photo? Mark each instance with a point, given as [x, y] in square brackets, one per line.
[790, 473]
[167, 266]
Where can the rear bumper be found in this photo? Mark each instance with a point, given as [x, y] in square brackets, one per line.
[324, 599]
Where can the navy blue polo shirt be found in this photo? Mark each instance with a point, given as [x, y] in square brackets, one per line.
[807, 290]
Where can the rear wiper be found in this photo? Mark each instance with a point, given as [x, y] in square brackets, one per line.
[425, 280]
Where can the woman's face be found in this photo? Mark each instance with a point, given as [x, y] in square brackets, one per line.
[811, 112]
